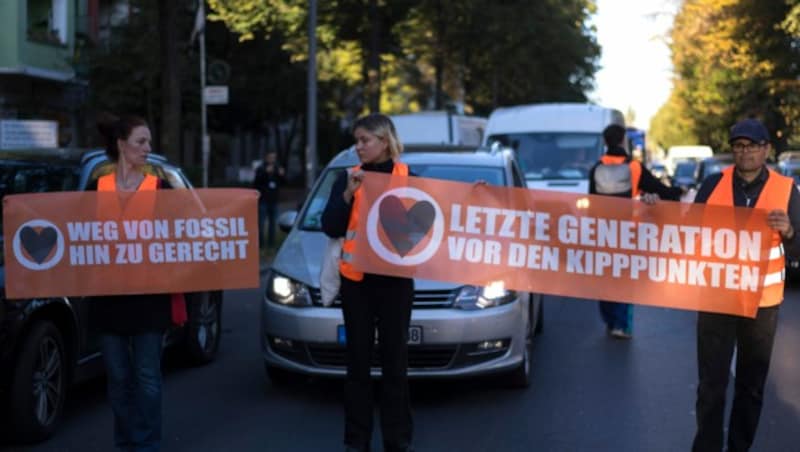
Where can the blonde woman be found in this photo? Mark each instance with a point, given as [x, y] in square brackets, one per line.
[370, 300]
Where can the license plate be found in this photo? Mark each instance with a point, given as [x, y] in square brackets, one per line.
[414, 335]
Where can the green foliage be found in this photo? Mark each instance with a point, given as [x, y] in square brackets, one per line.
[732, 59]
[482, 53]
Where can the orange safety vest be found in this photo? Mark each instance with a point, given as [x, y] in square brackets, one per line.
[109, 183]
[349, 244]
[635, 166]
[774, 195]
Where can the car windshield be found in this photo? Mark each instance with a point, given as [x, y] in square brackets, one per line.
[793, 172]
[554, 155]
[312, 219]
[715, 167]
[36, 177]
[684, 170]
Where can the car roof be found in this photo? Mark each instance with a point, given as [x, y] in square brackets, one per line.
[721, 157]
[348, 158]
[49, 155]
[63, 155]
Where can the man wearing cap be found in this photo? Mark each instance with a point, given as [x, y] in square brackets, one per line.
[749, 183]
[616, 174]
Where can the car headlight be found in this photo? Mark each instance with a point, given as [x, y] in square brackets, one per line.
[472, 297]
[287, 291]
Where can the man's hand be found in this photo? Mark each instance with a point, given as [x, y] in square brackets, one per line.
[779, 221]
[650, 198]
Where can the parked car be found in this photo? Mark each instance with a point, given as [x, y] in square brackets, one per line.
[45, 343]
[685, 175]
[456, 330]
[790, 155]
[713, 165]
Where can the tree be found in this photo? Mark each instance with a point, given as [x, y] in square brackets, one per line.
[732, 61]
[170, 136]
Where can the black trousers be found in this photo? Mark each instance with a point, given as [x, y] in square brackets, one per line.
[716, 336]
[381, 303]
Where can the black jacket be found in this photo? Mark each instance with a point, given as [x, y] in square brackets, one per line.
[268, 183]
[745, 194]
[647, 182]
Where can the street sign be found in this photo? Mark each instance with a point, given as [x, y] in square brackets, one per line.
[216, 95]
[21, 134]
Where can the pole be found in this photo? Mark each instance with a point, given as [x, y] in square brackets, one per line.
[206, 144]
[311, 116]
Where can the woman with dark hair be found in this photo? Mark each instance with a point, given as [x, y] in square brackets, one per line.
[131, 326]
[372, 302]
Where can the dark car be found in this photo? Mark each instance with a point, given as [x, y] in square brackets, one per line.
[45, 343]
[713, 165]
[685, 174]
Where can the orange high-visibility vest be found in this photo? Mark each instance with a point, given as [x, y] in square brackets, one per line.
[109, 183]
[635, 166]
[774, 195]
[349, 244]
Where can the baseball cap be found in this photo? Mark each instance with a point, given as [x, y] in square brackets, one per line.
[752, 129]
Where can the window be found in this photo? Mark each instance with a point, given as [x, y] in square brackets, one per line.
[312, 220]
[544, 156]
[47, 21]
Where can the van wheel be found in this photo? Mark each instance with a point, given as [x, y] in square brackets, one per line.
[39, 384]
[204, 326]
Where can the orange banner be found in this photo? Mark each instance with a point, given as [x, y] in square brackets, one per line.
[671, 254]
[113, 243]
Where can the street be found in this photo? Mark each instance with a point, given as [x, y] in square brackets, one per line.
[589, 393]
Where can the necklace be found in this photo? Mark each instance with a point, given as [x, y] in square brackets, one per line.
[125, 186]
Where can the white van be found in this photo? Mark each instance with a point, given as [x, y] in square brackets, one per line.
[556, 144]
[677, 153]
[435, 129]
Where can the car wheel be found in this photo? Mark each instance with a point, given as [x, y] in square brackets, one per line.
[39, 384]
[204, 326]
[278, 376]
[539, 317]
[521, 376]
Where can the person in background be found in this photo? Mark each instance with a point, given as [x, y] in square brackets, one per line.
[371, 301]
[131, 327]
[268, 180]
[748, 183]
[617, 174]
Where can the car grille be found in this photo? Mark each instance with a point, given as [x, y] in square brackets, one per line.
[419, 357]
[423, 299]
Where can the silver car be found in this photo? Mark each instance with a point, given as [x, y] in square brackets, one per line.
[455, 330]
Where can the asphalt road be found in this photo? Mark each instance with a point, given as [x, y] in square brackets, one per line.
[590, 393]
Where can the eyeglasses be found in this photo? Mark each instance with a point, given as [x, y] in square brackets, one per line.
[746, 147]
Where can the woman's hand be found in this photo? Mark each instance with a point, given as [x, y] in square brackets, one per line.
[353, 183]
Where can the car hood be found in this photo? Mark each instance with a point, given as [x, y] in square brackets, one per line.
[300, 257]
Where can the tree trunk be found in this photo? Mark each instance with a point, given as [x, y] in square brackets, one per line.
[170, 138]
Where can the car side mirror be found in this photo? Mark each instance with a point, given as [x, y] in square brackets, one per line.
[286, 220]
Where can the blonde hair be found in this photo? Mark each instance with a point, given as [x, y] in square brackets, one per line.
[382, 127]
